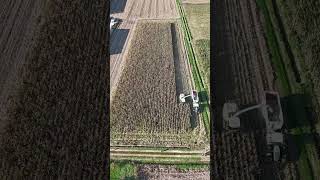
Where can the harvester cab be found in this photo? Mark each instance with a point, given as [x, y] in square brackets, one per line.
[273, 111]
[194, 99]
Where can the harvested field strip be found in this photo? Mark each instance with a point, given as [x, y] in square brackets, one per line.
[275, 51]
[195, 71]
[146, 99]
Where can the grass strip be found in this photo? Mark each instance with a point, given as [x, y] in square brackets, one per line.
[162, 160]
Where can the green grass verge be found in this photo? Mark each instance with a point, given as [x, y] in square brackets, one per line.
[122, 170]
[202, 49]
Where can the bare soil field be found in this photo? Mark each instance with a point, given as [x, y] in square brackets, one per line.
[57, 123]
[242, 70]
[129, 11]
[145, 109]
[18, 25]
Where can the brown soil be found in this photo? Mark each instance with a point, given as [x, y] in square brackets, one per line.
[58, 126]
[18, 28]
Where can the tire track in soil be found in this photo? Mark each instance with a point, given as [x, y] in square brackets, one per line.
[258, 47]
[7, 31]
[150, 10]
[256, 81]
[5, 13]
[129, 14]
[164, 8]
[157, 8]
[143, 7]
[154, 9]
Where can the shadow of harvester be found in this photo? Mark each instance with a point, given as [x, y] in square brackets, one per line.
[118, 39]
[117, 6]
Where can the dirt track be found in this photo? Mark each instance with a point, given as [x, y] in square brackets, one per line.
[129, 11]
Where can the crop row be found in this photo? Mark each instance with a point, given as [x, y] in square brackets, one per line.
[58, 123]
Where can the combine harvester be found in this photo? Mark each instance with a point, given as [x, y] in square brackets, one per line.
[194, 99]
[271, 111]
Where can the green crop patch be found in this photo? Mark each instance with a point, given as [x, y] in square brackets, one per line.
[122, 170]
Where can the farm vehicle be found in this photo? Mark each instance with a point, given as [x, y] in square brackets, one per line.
[194, 99]
[271, 111]
[114, 22]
